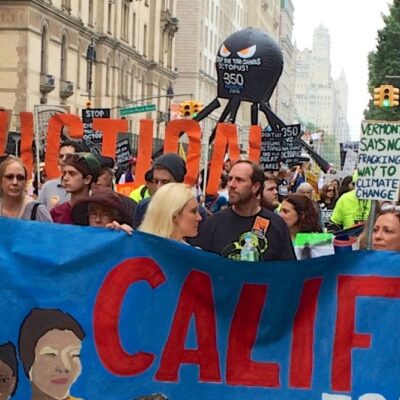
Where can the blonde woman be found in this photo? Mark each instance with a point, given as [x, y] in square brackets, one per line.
[14, 202]
[172, 213]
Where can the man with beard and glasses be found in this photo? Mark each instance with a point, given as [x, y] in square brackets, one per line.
[245, 225]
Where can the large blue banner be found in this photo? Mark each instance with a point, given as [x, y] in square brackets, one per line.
[97, 314]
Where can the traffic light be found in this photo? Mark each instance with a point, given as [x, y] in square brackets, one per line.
[185, 109]
[197, 106]
[377, 97]
[387, 95]
[395, 97]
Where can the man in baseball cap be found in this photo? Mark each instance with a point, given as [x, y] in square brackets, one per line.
[166, 169]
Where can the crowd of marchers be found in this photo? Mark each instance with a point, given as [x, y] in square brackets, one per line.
[255, 216]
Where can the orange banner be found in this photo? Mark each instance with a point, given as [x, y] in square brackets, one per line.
[226, 136]
[56, 123]
[4, 127]
[146, 147]
[110, 129]
[255, 143]
[175, 129]
[27, 140]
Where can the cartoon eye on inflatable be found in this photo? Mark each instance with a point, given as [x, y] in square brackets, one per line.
[248, 52]
[224, 51]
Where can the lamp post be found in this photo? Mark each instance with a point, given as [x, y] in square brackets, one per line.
[91, 59]
[170, 96]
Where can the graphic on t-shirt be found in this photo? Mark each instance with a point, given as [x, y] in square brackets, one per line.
[260, 227]
[259, 244]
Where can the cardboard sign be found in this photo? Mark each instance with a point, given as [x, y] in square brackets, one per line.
[42, 115]
[280, 147]
[93, 139]
[379, 161]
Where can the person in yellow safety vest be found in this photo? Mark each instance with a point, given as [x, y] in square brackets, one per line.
[144, 191]
[349, 210]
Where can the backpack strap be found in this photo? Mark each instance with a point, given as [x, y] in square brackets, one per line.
[143, 191]
[34, 211]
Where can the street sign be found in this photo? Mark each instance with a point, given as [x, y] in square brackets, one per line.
[136, 109]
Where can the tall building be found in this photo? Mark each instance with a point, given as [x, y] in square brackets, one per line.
[112, 52]
[285, 90]
[320, 101]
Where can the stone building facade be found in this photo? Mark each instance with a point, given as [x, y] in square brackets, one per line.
[53, 49]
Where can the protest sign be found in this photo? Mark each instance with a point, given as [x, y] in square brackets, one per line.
[134, 315]
[92, 138]
[123, 152]
[379, 161]
[271, 149]
[42, 115]
[291, 147]
[350, 162]
[279, 147]
[345, 147]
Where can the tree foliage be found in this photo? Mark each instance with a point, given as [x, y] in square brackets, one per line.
[384, 62]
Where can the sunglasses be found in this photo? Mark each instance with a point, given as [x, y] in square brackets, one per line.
[330, 190]
[18, 177]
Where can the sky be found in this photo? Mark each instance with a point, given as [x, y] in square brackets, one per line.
[353, 27]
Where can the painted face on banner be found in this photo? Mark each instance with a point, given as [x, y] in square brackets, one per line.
[7, 381]
[249, 64]
[57, 363]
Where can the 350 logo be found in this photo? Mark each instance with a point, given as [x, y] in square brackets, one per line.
[233, 79]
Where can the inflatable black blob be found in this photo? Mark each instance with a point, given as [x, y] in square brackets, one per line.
[249, 64]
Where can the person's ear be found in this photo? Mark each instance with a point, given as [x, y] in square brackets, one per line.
[256, 187]
[88, 179]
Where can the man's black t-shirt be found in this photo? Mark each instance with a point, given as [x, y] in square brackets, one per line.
[224, 233]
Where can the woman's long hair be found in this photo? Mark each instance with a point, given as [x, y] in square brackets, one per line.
[308, 219]
[164, 205]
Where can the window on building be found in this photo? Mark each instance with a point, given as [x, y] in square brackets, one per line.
[169, 38]
[108, 76]
[44, 51]
[64, 55]
[133, 83]
[109, 16]
[145, 40]
[143, 91]
[125, 20]
[162, 47]
[78, 66]
[123, 81]
[66, 6]
[91, 13]
[134, 30]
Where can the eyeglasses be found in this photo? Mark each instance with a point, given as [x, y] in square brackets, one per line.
[18, 177]
[330, 190]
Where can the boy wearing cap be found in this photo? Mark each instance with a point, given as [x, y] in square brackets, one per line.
[79, 172]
